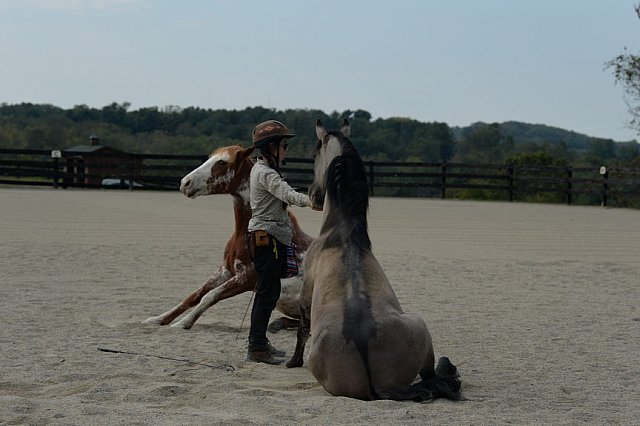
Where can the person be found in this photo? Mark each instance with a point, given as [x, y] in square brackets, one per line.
[269, 232]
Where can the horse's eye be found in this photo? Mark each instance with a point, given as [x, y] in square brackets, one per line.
[219, 168]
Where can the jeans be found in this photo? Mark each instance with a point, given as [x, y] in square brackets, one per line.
[269, 262]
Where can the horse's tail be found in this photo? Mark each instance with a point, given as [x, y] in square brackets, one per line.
[445, 384]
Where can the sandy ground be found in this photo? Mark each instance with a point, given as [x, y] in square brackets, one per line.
[536, 304]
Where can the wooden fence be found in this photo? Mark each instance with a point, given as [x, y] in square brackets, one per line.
[571, 185]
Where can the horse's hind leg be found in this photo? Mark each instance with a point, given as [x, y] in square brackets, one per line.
[288, 304]
[215, 280]
[303, 334]
[283, 323]
[445, 368]
[443, 382]
[244, 281]
[427, 371]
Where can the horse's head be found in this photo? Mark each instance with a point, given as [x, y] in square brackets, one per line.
[225, 172]
[331, 144]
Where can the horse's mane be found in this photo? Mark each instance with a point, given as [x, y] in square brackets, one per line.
[233, 149]
[348, 192]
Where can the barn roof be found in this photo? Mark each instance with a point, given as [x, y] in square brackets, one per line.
[90, 149]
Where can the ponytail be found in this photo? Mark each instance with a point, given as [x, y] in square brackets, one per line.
[273, 161]
[267, 155]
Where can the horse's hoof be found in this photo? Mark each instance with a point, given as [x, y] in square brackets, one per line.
[182, 325]
[294, 363]
[153, 321]
[276, 325]
[445, 368]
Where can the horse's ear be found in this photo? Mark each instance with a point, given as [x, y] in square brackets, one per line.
[346, 128]
[321, 132]
[245, 152]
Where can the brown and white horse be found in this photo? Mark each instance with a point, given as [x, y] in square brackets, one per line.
[227, 172]
[362, 343]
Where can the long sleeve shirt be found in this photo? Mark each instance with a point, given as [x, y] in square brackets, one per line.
[268, 190]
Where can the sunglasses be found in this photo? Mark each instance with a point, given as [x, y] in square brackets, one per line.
[285, 146]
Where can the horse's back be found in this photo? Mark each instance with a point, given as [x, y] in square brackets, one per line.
[395, 346]
[403, 342]
[360, 336]
[399, 350]
[332, 280]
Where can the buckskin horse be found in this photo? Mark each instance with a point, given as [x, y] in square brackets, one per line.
[362, 343]
[227, 172]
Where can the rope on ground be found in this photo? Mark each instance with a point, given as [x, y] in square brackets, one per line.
[226, 367]
[245, 315]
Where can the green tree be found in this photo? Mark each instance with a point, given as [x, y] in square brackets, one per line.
[486, 144]
[115, 113]
[626, 70]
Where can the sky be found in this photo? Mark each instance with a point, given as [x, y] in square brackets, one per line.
[454, 61]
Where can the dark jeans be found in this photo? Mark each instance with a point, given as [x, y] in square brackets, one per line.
[269, 262]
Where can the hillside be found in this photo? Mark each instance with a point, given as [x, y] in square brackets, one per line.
[175, 130]
[532, 133]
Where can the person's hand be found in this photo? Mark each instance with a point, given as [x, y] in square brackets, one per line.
[313, 207]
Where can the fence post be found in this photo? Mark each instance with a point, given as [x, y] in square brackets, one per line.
[371, 182]
[605, 185]
[55, 156]
[510, 171]
[130, 172]
[569, 185]
[443, 180]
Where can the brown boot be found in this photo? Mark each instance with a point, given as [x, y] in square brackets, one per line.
[262, 355]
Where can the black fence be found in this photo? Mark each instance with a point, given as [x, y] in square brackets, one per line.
[570, 185]
[94, 170]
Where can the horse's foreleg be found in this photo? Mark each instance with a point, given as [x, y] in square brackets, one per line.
[243, 281]
[304, 326]
[303, 335]
[220, 276]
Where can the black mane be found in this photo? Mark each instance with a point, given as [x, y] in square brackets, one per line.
[348, 191]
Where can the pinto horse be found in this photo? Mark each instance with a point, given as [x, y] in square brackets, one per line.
[362, 344]
[227, 172]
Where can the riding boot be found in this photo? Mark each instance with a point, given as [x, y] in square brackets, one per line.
[275, 352]
[268, 267]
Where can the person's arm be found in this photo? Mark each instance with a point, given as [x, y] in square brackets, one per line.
[276, 185]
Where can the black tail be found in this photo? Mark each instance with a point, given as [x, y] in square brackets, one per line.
[445, 384]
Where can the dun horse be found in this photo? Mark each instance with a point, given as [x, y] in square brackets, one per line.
[362, 343]
[227, 172]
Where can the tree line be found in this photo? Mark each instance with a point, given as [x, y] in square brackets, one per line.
[198, 131]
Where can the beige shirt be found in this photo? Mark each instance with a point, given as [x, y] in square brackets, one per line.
[268, 190]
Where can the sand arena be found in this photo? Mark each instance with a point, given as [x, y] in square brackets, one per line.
[536, 304]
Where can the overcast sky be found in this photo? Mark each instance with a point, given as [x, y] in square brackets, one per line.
[454, 61]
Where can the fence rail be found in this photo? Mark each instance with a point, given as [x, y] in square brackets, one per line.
[572, 185]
